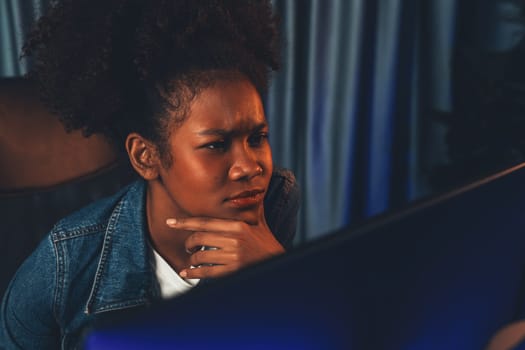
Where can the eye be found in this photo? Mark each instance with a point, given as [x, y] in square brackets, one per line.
[258, 139]
[216, 145]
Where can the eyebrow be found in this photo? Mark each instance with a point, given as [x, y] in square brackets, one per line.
[226, 132]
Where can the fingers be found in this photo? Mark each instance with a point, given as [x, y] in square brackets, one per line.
[214, 257]
[196, 240]
[207, 224]
[237, 244]
[211, 232]
[207, 271]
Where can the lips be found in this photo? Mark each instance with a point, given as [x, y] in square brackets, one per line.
[246, 194]
[246, 198]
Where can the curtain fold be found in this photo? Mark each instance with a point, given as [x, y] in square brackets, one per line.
[383, 98]
[16, 19]
[346, 110]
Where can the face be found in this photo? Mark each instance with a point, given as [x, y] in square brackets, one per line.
[222, 161]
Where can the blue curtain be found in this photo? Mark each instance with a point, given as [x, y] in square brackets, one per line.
[345, 110]
[16, 18]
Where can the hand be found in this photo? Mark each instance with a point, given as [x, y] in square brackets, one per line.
[238, 244]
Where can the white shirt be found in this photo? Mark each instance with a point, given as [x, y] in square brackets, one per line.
[171, 284]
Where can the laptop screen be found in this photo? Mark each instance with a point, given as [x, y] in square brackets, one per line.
[444, 273]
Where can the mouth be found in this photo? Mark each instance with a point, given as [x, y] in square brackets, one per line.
[246, 199]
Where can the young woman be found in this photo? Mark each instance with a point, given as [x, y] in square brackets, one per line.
[178, 84]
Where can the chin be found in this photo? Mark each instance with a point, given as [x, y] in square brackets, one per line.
[250, 217]
[253, 218]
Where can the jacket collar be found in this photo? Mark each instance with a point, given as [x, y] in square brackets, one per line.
[124, 277]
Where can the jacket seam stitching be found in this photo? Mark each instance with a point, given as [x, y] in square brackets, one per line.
[122, 305]
[65, 235]
[58, 283]
[103, 257]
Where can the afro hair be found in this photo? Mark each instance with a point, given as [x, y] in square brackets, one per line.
[117, 66]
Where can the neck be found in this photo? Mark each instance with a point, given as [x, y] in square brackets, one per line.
[168, 242]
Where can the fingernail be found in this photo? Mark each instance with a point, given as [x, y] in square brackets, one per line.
[183, 274]
[171, 222]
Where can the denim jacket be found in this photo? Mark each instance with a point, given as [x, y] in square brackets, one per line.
[96, 261]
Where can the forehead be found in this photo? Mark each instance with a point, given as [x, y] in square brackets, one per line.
[227, 104]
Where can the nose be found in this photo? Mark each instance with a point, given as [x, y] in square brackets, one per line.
[245, 164]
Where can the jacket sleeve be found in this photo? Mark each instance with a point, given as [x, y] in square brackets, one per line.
[27, 315]
[282, 206]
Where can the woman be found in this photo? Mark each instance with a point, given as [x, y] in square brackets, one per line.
[179, 84]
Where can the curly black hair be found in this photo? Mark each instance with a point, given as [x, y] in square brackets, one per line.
[119, 66]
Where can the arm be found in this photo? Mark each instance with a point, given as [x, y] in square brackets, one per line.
[27, 318]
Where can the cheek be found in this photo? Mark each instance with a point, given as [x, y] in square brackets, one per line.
[205, 177]
[266, 157]
[202, 172]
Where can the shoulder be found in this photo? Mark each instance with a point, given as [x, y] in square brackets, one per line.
[78, 235]
[283, 186]
[33, 305]
[281, 205]
[284, 179]
[284, 175]
[91, 218]
[80, 229]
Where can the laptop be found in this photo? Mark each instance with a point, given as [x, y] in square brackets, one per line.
[443, 273]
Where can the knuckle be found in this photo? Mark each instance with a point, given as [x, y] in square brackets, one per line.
[194, 238]
[235, 242]
[204, 272]
[240, 226]
[194, 260]
[203, 222]
[236, 258]
[188, 244]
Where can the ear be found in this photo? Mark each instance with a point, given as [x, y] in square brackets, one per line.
[143, 155]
